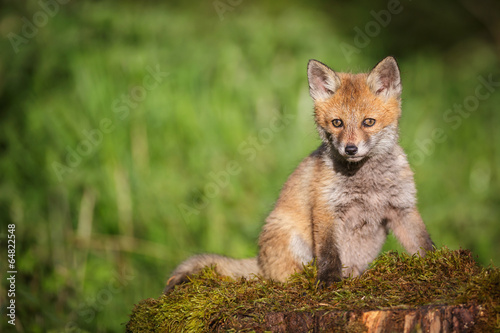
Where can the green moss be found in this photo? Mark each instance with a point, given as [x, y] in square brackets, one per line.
[395, 280]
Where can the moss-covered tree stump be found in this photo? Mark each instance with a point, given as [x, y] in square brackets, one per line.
[447, 291]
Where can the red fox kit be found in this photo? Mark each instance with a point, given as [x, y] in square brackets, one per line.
[340, 203]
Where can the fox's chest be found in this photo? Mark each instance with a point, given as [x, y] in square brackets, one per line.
[359, 206]
[363, 201]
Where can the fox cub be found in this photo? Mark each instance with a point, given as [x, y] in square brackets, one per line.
[339, 204]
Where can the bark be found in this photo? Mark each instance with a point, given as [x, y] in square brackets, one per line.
[432, 319]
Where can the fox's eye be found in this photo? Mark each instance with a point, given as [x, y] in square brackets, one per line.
[369, 122]
[337, 123]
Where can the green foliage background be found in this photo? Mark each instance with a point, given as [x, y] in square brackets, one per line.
[195, 163]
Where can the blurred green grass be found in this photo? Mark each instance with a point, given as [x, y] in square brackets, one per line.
[145, 196]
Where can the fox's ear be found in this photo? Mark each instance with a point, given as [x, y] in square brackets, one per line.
[323, 81]
[385, 79]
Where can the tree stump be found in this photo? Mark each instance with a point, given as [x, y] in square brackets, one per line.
[446, 291]
[431, 319]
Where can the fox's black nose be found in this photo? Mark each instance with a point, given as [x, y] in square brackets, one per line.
[351, 149]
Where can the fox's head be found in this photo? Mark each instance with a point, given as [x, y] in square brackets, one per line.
[357, 114]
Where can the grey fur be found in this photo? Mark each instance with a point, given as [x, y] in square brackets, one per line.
[223, 265]
[363, 204]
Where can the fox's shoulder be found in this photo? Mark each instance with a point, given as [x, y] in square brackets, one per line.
[312, 172]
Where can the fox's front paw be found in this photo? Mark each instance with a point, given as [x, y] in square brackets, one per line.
[327, 277]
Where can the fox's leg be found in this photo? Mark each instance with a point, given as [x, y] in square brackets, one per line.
[283, 250]
[327, 252]
[410, 230]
